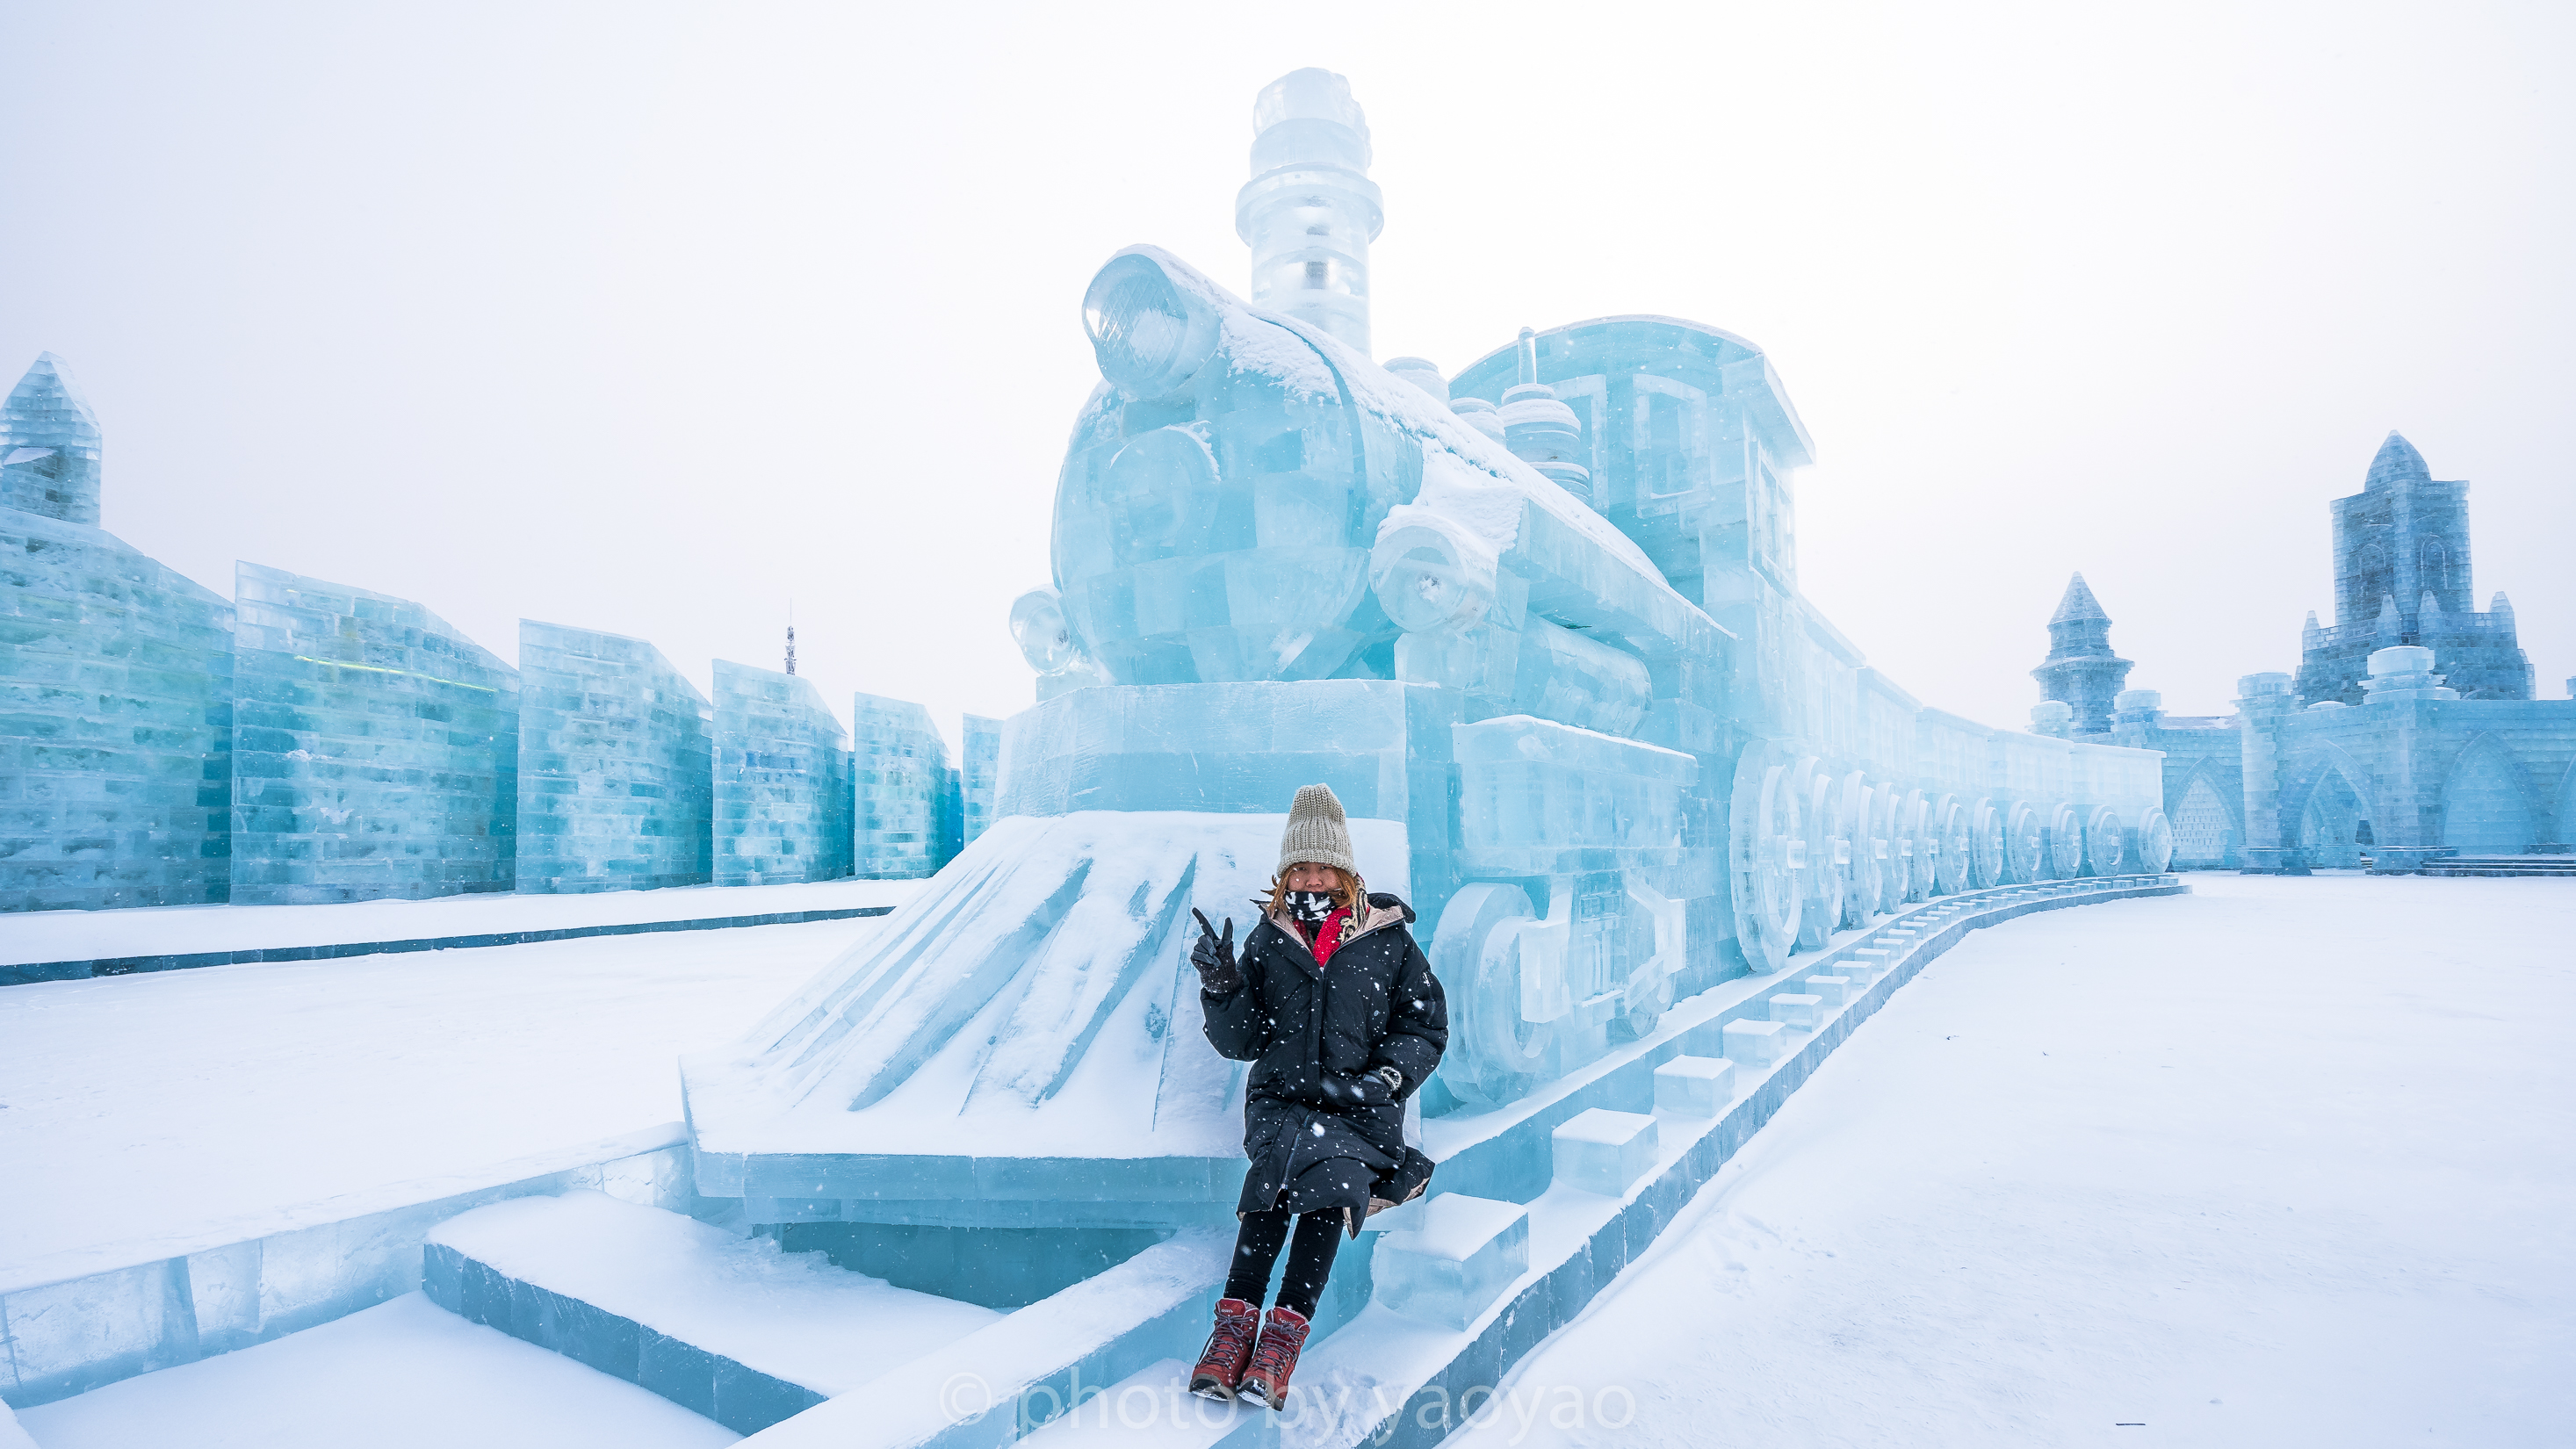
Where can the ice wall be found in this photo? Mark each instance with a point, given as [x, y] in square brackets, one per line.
[375, 748]
[616, 765]
[49, 446]
[901, 808]
[782, 780]
[980, 778]
[116, 738]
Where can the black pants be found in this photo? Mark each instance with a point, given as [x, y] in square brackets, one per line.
[1310, 1261]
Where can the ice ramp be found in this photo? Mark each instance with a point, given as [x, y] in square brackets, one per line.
[1021, 1047]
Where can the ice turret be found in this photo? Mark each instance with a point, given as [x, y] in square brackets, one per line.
[2080, 669]
[1309, 212]
[49, 446]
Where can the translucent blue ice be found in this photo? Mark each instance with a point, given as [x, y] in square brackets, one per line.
[375, 751]
[782, 780]
[616, 765]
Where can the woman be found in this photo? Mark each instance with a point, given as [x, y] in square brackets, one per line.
[1337, 1010]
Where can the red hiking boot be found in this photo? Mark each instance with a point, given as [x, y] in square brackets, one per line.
[1283, 1336]
[1229, 1349]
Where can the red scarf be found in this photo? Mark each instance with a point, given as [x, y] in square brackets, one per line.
[1328, 936]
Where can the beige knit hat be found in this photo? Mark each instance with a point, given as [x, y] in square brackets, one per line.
[1317, 833]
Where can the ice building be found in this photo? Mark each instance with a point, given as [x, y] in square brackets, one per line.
[1538, 626]
[2408, 732]
[312, 741]
[979, 773]
[375, 748]
[116, 743]
[782, 780]
[905, 808]
[616, 765]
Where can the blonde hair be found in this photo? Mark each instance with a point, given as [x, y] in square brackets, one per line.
[1345, 895]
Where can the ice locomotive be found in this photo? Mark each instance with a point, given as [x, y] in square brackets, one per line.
[1538, 626]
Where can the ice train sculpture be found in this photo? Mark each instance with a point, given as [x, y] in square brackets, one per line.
[1537, 624]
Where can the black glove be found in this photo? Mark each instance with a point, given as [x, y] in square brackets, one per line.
[1379, 1087]
[1218, 973]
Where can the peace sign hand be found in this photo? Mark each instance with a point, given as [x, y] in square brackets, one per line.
[1219, 975]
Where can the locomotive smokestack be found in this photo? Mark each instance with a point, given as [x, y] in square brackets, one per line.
[1309, 212]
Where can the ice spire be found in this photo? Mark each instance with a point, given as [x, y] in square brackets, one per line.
[49, 446]
[791, 636]
[1309, 212]
[2397, 462]
[2079, 603]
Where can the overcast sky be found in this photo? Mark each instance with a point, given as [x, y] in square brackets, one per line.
[646, 319]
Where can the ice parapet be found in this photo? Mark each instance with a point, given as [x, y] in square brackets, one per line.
[782, 780]
[616, 765]
[376, 748]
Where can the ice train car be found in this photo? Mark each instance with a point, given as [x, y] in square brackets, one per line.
[1537, 624]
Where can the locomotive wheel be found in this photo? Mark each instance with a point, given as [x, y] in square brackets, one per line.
[1950, 850]
[1858, 865]
[1988, 860]
[1478, 946]
[1921, 853]
[2155, 841]
[2025, 843]
[2103, 842]
[1823, 886]
[2065, 842]
[1766, 849]
[1885, 840]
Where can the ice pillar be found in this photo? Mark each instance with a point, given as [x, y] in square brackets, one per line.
[1309, 212]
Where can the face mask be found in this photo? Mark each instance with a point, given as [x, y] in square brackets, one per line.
[1310, 907]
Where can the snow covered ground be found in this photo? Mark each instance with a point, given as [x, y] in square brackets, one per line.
[2280, 1162]
[142, 1116]
[177, 930]
[405, 1374]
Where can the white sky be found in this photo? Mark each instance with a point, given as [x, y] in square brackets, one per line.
[643, 318]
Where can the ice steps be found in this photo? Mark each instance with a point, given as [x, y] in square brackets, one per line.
[728, 1327]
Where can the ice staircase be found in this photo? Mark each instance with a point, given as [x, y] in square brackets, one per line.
[1540, 1204]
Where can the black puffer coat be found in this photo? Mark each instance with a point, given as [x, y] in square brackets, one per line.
[1318, 1132]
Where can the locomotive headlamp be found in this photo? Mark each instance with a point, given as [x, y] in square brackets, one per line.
[1151, 329]
[1039, 627]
